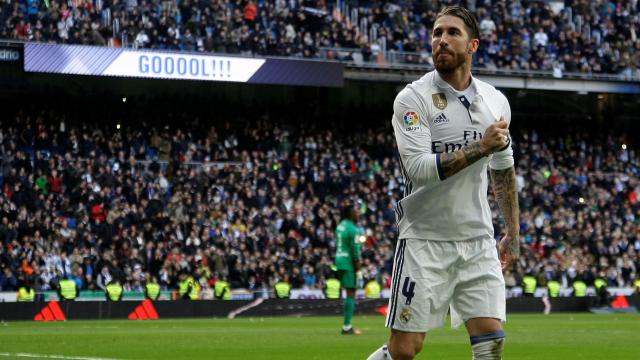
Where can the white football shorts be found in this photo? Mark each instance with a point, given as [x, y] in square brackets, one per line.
[429, 277]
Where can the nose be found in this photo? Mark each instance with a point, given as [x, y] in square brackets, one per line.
[444, 40]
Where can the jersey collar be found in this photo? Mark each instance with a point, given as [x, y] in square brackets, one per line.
[440, 83]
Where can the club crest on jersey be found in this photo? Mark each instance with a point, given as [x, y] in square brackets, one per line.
[405, 315]
[439, 100]
[411, 121]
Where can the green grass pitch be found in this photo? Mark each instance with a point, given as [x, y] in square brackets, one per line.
[560, 336]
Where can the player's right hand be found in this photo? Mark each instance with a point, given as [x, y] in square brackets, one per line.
[495, 138]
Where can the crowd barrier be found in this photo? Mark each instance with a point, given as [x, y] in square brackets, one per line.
[297, 294]
[145, 309]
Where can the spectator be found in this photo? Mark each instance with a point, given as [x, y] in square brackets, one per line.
[540, 38]
[8, 281]
[250, 12]
[264, 207]
[599, 39]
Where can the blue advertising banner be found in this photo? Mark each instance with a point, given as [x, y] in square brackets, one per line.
[101, 61]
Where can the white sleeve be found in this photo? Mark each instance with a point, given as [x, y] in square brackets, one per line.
[503, 159]
[413, 137]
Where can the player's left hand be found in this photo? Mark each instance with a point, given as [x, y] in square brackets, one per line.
[509, 250]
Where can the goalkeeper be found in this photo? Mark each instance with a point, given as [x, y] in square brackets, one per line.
[348, 261]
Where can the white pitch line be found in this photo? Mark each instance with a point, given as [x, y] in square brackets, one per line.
[88, 327]
[251, 305]
[41, 356]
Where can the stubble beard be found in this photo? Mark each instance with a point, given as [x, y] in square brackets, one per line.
[451, 65]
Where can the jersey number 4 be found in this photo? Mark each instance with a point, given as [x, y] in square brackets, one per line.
[407, 290]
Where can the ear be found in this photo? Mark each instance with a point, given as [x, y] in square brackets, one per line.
[473, 46]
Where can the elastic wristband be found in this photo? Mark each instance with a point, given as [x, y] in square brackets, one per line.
[506, 146]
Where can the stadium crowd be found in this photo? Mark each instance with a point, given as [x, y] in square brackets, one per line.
[594, 37]
[258, 204]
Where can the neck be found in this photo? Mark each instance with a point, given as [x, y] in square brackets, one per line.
[459, 78]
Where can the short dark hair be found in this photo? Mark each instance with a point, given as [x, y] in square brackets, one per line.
[347, 209]
[466, 16]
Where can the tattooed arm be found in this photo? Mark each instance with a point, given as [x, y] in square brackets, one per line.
[504, 188]
[455, 161]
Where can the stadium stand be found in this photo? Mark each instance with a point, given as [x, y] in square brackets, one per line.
[127, 199]
[574, 36]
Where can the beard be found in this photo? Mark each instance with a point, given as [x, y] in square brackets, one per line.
[450, 64]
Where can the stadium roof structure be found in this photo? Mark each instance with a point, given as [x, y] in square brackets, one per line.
[525, 80]
[402, 66]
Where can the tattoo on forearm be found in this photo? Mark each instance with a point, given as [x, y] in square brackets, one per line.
[455, 161]
[504, 188]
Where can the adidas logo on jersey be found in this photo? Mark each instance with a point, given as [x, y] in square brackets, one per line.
[440, 119]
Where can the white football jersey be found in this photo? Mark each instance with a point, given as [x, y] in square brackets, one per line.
[430, 118]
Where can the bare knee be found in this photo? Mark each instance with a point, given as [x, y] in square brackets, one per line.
[481, 326]
[405, 345]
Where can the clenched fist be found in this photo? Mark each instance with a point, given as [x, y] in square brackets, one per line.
[495, 137]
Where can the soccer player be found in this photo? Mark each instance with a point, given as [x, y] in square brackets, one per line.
[348, 261]
[449, 127]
